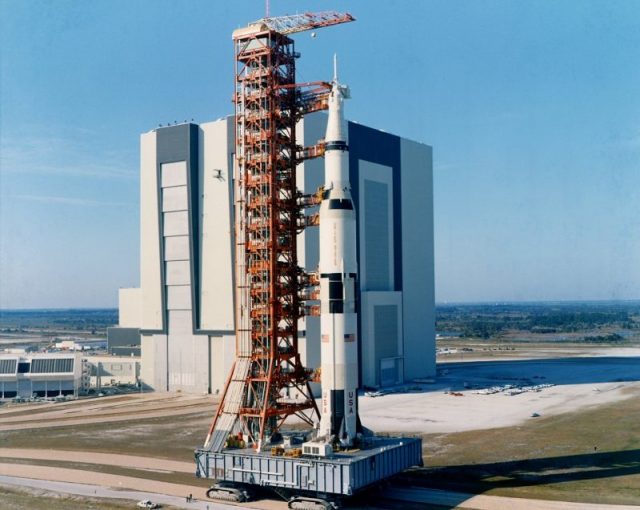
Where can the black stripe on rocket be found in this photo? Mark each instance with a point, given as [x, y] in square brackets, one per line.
[336, 290]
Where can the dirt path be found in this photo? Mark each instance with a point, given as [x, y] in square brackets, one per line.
[101, 411]
[113, 400]
[106, 410]
[104, 459]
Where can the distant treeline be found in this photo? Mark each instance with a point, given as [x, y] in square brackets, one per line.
[72, 320]
[486, 321]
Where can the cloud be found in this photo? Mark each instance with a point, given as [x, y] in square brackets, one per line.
[69, 201]
[74, 155]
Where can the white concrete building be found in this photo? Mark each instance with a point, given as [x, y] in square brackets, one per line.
[41, 374]
[113, 370]
[184, 306]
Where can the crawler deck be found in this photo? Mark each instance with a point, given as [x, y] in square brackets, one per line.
[342, 474]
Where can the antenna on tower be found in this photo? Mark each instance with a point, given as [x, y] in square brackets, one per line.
[335, 68]
[266, 8]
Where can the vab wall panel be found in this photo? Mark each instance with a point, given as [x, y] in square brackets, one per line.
[153, 369]
[130, 308]
[179, 324]
[176, 248]
[150, 269]
[216, 183]
[174, 174]
[223, 351]
[175, 199]
[376, 249]
[179, 297]
[188, 362]
[374, 348]
[176, 223]
[217, 362]
[178, 272]
[386, 323]
[376, 268]
[418, 260]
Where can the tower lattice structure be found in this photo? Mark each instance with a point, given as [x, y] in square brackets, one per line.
[268, 382]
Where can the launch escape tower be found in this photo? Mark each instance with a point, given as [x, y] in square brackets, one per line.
[271, 288]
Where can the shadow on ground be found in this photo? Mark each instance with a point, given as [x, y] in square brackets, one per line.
[480, 478]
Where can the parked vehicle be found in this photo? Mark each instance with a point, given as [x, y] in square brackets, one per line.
[147, 503]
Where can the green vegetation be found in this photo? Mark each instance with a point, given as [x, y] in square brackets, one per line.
[23, 321]
[612, 322]
[587, 456]
[171, 437]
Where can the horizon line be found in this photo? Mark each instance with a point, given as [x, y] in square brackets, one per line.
[441, 303]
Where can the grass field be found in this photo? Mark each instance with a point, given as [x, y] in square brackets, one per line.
[587, 456]
[173, 437]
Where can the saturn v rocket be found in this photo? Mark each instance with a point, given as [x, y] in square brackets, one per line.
[338, 275]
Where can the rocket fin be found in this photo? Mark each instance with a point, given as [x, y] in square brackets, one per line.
[342, 433]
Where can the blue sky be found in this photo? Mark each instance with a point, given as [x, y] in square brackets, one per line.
[533, 110]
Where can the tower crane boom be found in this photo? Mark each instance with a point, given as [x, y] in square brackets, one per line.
[301, 22]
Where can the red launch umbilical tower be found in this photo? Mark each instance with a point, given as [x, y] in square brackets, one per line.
[268, 382]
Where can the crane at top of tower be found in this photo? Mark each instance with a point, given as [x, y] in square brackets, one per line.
[300, 22]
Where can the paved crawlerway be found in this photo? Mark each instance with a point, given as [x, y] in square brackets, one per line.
[96, 484]
[427, 496]
[97, 491]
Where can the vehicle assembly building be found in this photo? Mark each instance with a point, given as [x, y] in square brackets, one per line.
[184, 307]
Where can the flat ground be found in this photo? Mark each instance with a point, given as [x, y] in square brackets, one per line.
[458, 400]
[15, 499]
[584, 446]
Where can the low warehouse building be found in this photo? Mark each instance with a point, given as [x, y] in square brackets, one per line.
[113, 370]
[43, 375]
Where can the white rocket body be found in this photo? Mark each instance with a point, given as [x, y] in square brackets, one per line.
[338, 276]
